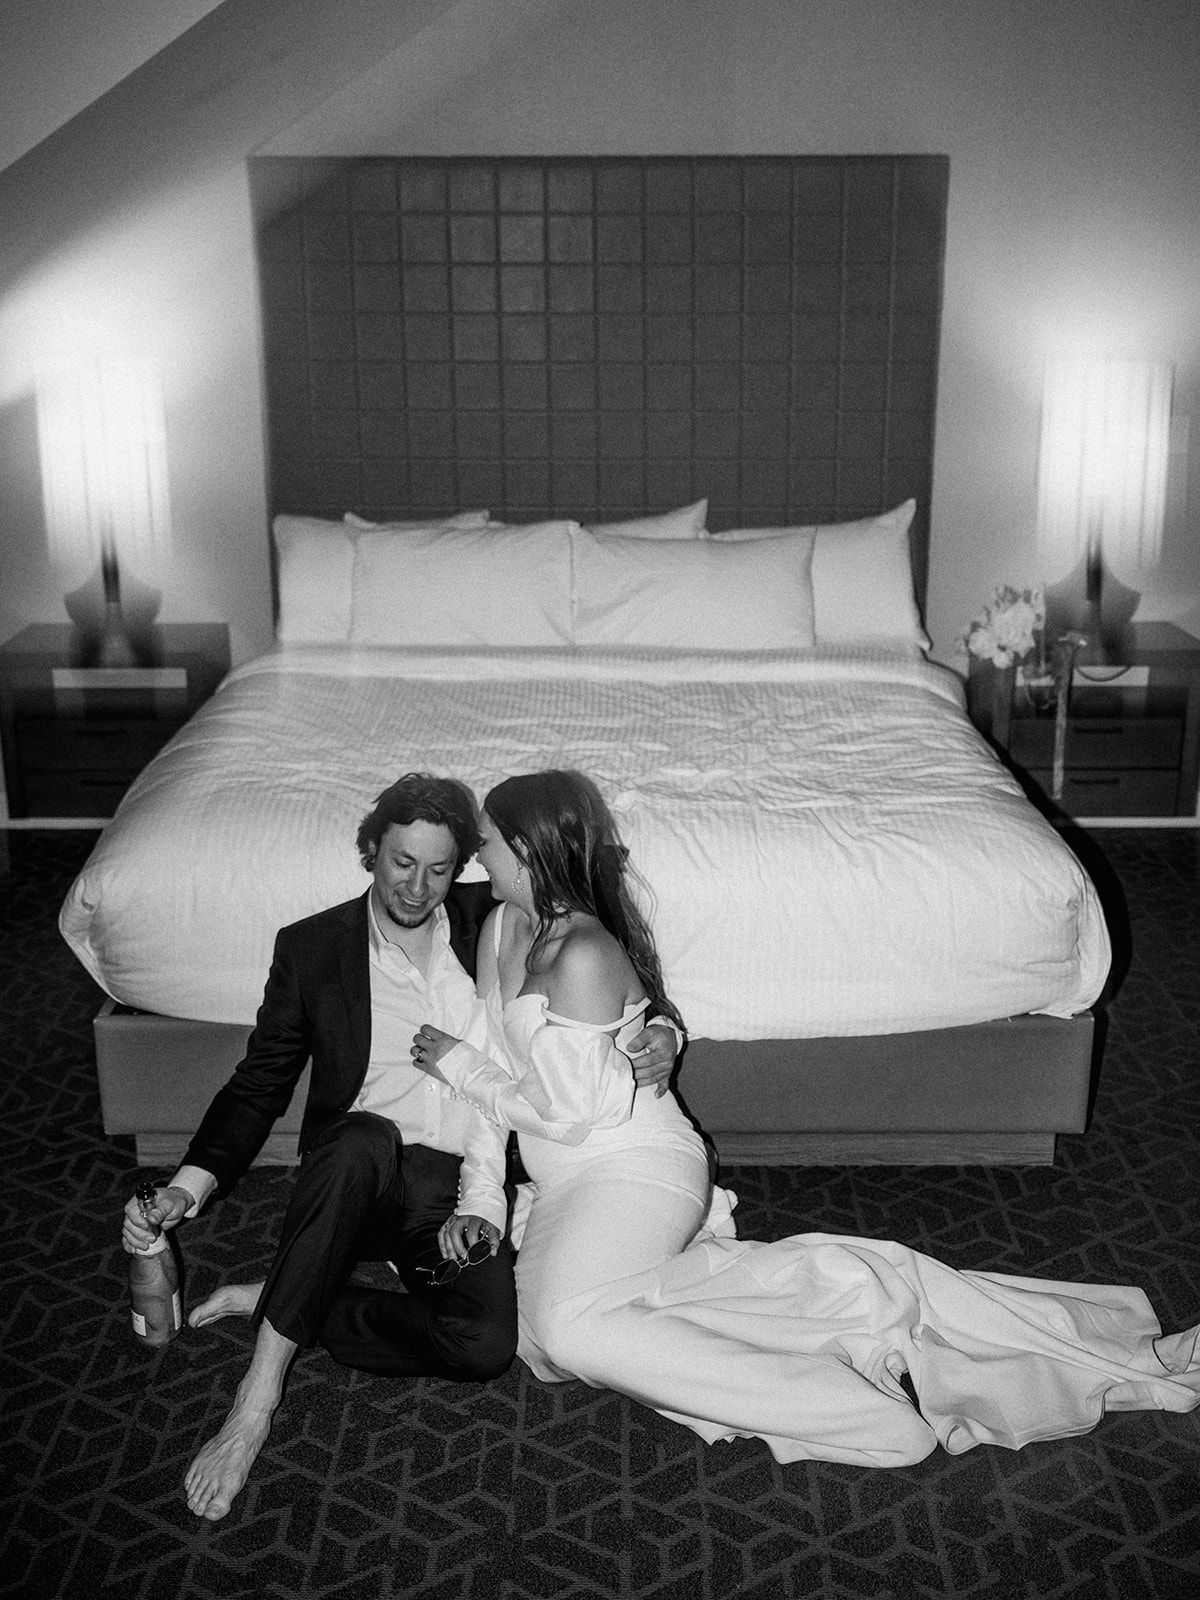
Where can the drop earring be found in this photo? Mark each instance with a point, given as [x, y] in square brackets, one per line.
[518, 882]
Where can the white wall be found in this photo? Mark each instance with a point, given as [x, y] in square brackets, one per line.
[174, 281]
[1074, 217]
[129, 229]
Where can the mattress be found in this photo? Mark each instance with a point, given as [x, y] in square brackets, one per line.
[826, 846]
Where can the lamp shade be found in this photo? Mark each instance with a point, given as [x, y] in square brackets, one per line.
[102, 444]
[1102, 461]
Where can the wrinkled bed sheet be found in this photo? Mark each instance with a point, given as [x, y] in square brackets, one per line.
[828, 847]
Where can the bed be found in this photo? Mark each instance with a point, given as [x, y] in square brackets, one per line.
[696, 397]
[829, 851]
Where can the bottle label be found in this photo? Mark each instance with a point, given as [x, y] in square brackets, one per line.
[139, 1321]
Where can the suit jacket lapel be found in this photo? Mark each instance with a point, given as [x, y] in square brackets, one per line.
[355, 974]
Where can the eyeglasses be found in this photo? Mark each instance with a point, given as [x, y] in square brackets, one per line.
[446, 1271]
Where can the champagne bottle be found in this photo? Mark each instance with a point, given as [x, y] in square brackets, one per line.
[155, 1301]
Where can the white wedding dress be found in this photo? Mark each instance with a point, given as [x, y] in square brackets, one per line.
[630, 1278]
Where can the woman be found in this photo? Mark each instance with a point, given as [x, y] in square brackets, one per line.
[623, 1277]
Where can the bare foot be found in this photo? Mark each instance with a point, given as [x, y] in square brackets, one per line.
[218, 1474]
[230, 1300]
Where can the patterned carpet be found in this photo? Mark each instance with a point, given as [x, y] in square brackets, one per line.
[370, 1490]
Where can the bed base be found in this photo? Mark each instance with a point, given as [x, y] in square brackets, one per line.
[993, 1094]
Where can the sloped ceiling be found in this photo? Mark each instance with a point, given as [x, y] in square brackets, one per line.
[246, 71]
[57, 56]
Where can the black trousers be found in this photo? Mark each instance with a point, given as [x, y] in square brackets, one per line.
[362, 1194]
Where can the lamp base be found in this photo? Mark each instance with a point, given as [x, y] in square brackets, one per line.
[114, 620]
[1093, 602]
[114, 645]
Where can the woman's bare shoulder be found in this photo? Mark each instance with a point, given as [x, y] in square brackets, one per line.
[590, 978]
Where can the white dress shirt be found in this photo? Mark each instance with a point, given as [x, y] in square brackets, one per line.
[425, 1110]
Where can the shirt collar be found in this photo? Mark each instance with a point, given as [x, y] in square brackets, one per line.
[380, 944]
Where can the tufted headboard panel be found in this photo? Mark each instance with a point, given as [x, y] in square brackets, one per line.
[601, 337]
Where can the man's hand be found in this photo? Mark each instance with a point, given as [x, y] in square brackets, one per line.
[458, 1233]
[653, 1055]
[169, 1208]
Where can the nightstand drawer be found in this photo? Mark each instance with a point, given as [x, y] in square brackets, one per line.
[1118, 792]
[1132, 744]
[1100, 742]
[86, 744]
[74, 736]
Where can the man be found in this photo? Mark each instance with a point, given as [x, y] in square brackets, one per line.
[381, 1145]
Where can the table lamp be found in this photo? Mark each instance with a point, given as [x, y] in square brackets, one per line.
[102, 444]
[1102, 482]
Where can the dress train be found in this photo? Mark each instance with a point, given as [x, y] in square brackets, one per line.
[630, 1278]
[803, 1341]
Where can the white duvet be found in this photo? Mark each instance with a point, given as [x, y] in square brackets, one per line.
[828, 845]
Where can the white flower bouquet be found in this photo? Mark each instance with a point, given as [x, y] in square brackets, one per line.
[1008, 630]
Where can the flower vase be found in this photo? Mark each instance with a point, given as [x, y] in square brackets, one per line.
[1036, 688]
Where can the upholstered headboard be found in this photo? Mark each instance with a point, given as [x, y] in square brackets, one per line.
[598, 337]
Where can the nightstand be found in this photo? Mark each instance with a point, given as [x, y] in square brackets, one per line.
[1132, 742]
[73, 737]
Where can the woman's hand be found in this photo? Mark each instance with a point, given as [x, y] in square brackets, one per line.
[652, 1053]
[458, 1233]
[428, 1048]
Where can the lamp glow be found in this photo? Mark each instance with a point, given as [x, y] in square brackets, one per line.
[1102, 487]
[102, 443]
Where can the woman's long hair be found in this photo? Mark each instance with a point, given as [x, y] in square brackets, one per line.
[558, 825]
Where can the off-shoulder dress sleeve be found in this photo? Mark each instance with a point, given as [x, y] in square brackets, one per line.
[482, 1173]
[575, 1079]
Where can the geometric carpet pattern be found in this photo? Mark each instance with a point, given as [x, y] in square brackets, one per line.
[369, 1489]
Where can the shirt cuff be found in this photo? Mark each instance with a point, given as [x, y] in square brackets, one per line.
[463, 1063]
[198, 1183]
[492, 1208]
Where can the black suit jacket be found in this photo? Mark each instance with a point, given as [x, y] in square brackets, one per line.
[317, 1004]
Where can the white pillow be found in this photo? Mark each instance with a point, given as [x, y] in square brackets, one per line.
[686, 523]
[315, 565]
[693, 594]
[862, 584]
[463, 586]
[862, 581]
[460, 519]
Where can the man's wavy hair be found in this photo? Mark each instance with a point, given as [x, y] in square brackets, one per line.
[420, 797]
[559, 826]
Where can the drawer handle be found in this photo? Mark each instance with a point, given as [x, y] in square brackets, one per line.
[1097, 729]
[1093, 783]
